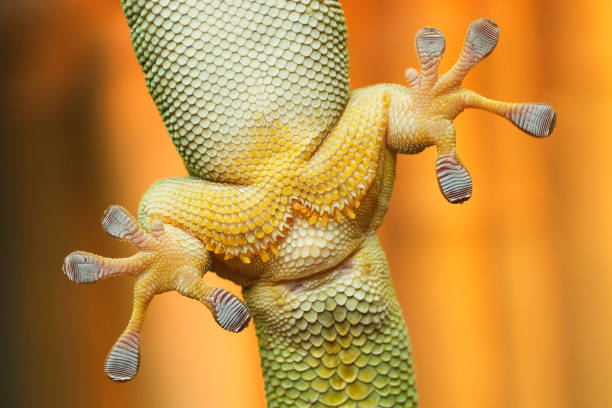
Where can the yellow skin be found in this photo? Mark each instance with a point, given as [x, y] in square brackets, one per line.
[297, 231]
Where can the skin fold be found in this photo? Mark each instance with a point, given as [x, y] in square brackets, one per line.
[290, 176]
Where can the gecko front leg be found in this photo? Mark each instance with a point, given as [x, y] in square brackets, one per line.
[168, 259]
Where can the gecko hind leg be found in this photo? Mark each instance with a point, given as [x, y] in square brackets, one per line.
[168, 259]
[437, 101]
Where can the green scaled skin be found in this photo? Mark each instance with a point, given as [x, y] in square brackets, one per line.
[291, 175]
[335, 339]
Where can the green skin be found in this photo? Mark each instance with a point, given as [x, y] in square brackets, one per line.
[343, 343]
[245, 98]
[333, 334]
[338, 338]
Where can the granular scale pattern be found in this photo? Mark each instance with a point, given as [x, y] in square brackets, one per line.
[336, 339]
[242, 86]
[247, 220]
[286, 166]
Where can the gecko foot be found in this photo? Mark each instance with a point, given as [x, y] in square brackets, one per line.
[168, 259]
[437, 101]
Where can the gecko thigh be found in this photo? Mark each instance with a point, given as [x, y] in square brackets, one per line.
[230, 219]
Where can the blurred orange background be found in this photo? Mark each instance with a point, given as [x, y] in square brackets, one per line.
[508, 298]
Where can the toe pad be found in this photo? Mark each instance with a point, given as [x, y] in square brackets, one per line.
[79, 268]
[118, 223]
[454, 179]
[123, 359]
[229, 311]
[537, 119]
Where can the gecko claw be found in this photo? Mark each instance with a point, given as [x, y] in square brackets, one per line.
[168, 259]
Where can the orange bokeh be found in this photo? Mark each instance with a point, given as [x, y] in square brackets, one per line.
[508, 298]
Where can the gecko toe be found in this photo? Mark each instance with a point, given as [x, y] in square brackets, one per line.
[453, 179]
[80, 268]
[482, 37]
[536, 119]
[123, 360]
[229, 311]
[430, 42]
[118, 223]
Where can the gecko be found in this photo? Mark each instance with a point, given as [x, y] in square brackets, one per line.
[290, 175]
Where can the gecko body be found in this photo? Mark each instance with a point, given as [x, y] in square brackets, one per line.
[290, 176]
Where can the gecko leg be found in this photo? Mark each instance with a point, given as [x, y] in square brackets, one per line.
[434, 102]
[168, 259]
